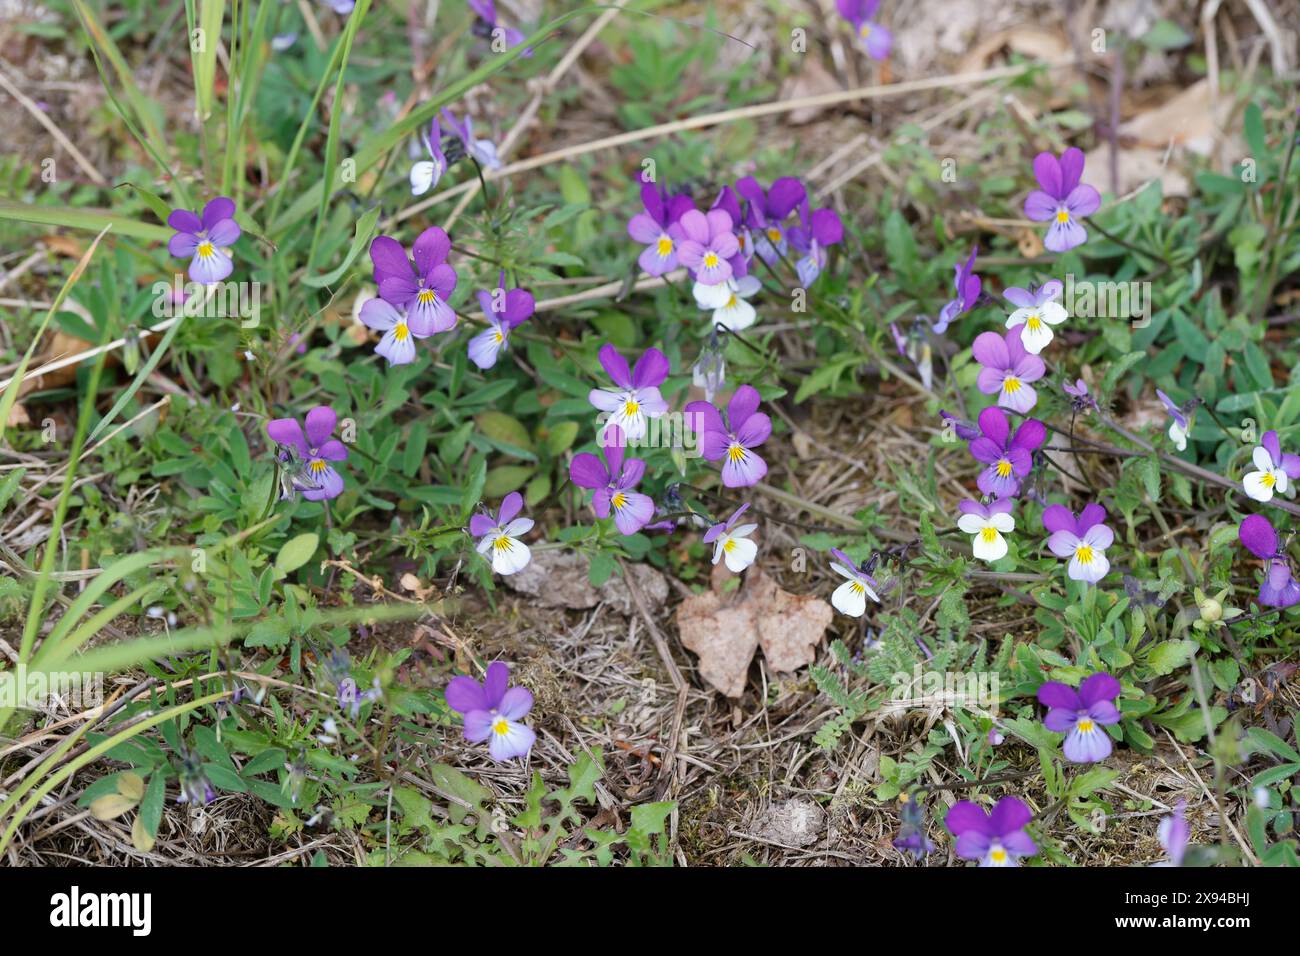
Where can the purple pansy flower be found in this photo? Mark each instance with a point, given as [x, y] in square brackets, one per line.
[1279, 588]
[1081, 714]
[493, 711]
[652, 228]
[207, 240]
[968, 286]
[1180, 424]
[1083, 540]
[426, 172]
[1007, 369]
[487, 21]
[315, 451]
[1173, 833]
[1008, 456]
[1273, 469]
[1080, 400]
[613, 481]
[986, 524]
[911, 837]
[505, 310]
[816, 232]
[995, 839]
[1036, 313]
[707, 246]
[482, 151]
[422, 291]
[766, 211]
[729, 203]
[734, 438]
[732, 543]
[500, 541]
[875, 39]
[1061, 199]
[637, 396]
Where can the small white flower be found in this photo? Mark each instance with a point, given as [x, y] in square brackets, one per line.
[508, 554]
[1036, 324]
[851, 597]
[727, 300]
[987, 542]
[1269, 478]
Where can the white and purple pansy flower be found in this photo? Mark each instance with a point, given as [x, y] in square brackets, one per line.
[1279, 588]
[1008, 369]
[1274, 471]
[731, 542]
[505, 309]
[1061, 200]
[1035, 314]
[733, 439]
[851, 597]
[422, 290]
[425, 173]
[501, 541]
[1009, 457]
[1083, 540]
[1081, 715]
[995, 839]
[206, 240]
[987, 524]
[494, 711]
[1180, 422]
[398, 341]
[707, 246]
[766, 212]
[635, 397]
[728, 301]
[613, 482]
[315, 450]
[652, 228]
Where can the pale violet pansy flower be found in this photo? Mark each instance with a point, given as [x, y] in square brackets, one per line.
[635, 397]
[1083, 540]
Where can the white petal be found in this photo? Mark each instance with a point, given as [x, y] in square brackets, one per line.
[747, 286]
[1255, 487]
[422, 177]
[993, 550]
[736, 317]
[741, 555]
[1053, 313]
[1262, 459]
[1035, 340]
[511, 559]
[1178, 437]
[972, 524]
[849, 599]
[712, 296]
[1019, 317]
[1003, 521]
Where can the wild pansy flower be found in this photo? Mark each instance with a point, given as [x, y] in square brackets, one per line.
[1173, 833]
[426, 173]
[493, 711]
[1180, 423]
[1008, 456]
[732, 543]
[987, 524]
[505, 310]
[398, 341]
[613, 481]
[1081, 714]
[500, 541]
[1007, 370]
[1083, 540]
[652, 228]
[486, 25]
[995, 839]
[816, 232]
[733, 440]
[968, 286]
[1273, 469]
[1035, 314]
[422, 290]
[1279, 588]
[1080, 400]
[316, 450]
[206, 239]
[727, 300]
[707, 246]
[767, 211]
[637, 396]
[710, 369]
[911, 832]
[851, 597]
[1061, 200]
[482, 151]
[875, 39]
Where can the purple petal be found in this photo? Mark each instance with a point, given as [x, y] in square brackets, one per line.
[1029, 435]
[994, 425]
[515, 703]
[703, 417]
[967, 817]
[786, 193]
[1071, 166]
[512, 504]
[216, 210]
[320, 425]
[480, 524]
[1083, 201]
[1258, 536]
[495, 682]
[1039, 206]
[1047, 170]
[287, 431]
[430, 249]
[389, 258]
[1054, 694]
[1060, 720]
[465, 694]
[1059, 518]
[650, 370]
[182, 220]
[743, 403]
[588, 471]
[1098, 687]
[615, 365]
[990, 350]
[756, 430]
[1009, 815]
[1272, 445]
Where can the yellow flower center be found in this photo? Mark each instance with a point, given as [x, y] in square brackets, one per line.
[502, 543]
[1268, 480]
[736, 453]
[856, 587]
[998, 855]
[774, 234]
[1062, 216]
[731, 302]
[426, 296]
[400, 331]
[989, 535]
[501, 727]
[665, 246]
[1084, 554]
[1004, 469]
[1011, 385]
[710, 260]
[864, 31]
[1034, 323]
[729, 546]
[619, 501]
[1085, 724]
[205, 249]
[630, 408]
[498, 336]
[317, 466]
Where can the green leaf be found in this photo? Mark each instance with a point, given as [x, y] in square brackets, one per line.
[558, 441]
[296, 552]
[505, 429]
[505, 479]
[151, 807]
[360, 240]
[1167, 656]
